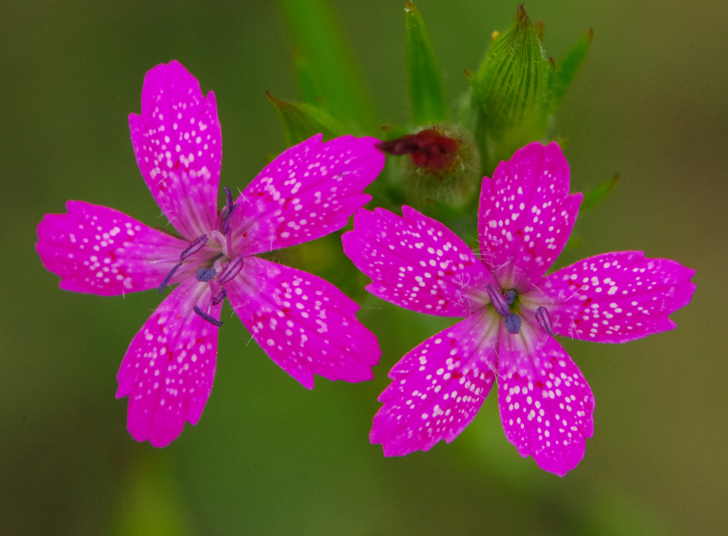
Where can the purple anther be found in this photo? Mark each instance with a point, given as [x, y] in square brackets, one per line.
[166, 279]
[511, 296]
[499, 302]
[205, 274]
[228, 220]
[513, 323]
[544, 320]
[206, 317]
[228, 199]
[220, 296]
[196, 245]
[232, 269]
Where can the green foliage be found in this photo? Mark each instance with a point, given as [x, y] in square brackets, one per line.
[427, 97]
[310, 91]
[320, 40]
[300, 121]
[565, 72]
[599, 193]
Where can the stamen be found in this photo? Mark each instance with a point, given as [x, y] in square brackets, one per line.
[228, 199]
[220, 296]
[206, 317]
[196, 245]
[166, 279]
[205, 274]
[228, 220]
[232, 269]
[511, 296]
[513, 323]
[499, 302]
[544, 320]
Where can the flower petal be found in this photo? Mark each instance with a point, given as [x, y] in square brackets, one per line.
[102, 251]
[545, 404]
[616, 297]
[178, 146]
[526, 215]
[167, 371]
[437, 388]
[306, 325]
[417, 262]
[309, 191]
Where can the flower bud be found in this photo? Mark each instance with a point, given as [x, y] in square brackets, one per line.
[517, 88]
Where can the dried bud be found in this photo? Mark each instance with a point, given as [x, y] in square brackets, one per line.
[428, 149]
[444, 163]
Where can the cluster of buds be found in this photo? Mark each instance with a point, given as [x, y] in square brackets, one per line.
[512, 98]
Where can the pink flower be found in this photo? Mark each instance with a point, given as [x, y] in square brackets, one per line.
[306, 325]
[512, 312]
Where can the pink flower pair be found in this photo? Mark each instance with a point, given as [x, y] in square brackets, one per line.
[307, 326]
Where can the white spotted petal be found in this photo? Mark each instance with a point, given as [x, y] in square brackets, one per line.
[437, 388]
[306, 325]
[526, 215]
[307, 192]
[178, 145]
[101, 251]
[546, 406]
[168, 370]
[616, 297]
[417, 262]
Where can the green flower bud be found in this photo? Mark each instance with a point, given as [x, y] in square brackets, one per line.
[517, 88]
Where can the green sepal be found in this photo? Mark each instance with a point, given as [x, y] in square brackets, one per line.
[510, 92]
[300, 121]
[599, 193]
[427, 97]
[564, 73]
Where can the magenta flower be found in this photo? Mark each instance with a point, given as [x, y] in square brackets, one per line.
[512, 312]
[306, 325]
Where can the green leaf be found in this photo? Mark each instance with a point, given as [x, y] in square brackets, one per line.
[510, 95]
[320, 39]
[599, 193]
[565, 72]
[307, 84]
[300, 121]
[427, 97]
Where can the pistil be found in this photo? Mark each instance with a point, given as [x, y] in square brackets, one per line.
[513, 323]
[205, 274]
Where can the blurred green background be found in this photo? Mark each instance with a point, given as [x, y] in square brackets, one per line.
[270, 457]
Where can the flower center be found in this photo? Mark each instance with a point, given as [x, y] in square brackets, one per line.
[220, 272]
[502, 305]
